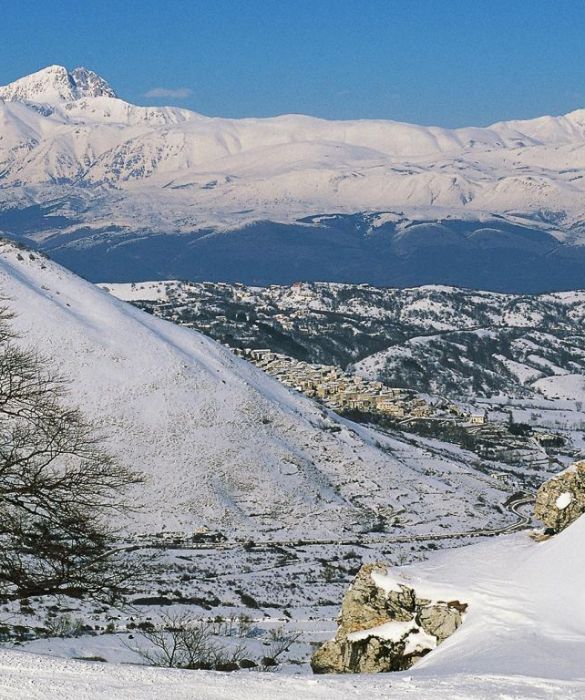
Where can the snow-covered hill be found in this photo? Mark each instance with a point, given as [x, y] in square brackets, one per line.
[436, 339]
[472, 344]
[83, 172]
[224, 445]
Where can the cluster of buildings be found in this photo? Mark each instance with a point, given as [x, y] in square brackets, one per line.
[346, 392]
[338, 390]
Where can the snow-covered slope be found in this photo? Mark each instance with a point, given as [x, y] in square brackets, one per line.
[526, 602]
[523, 636]
[223, 444]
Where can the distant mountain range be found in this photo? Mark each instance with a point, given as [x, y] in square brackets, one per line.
[121, 192]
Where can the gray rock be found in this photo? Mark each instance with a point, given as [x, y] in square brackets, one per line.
[440, 620]
[365, 607]
[561, 500]
[368, 655]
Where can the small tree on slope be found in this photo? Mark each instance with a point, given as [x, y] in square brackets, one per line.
[57, 485]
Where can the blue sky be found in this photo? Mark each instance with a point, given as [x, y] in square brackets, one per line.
[443, 62]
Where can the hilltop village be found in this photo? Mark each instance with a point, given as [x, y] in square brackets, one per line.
[349, 392]
[374, 401]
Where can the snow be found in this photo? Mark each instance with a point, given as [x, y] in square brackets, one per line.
[428, 590]
[564, 500]
[223, 445]
[573, 468]
[189, 413]
[523, 372]
[523, 637]
[142, 291]
[391, 631]
[32, 677]
[565, 386]
[179, 170]
[56, 84]
[395, 631]
[419, 640]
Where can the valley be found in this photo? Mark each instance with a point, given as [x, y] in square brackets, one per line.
[384, 490]
[435, 361]
[287, 395]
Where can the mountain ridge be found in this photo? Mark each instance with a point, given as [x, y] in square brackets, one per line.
[86, 171]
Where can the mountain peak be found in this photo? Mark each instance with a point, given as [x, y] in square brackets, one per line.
[56, 84]
[90, 84]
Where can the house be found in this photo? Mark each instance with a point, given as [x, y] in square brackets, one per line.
[477, 419]
[260, 354]
[549, 439]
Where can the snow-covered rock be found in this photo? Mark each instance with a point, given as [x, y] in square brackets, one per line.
[561, 500]
[525, 613]
[385, 630]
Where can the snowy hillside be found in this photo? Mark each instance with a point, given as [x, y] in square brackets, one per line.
[525, 616]
[82, 171]
[224, 445]
[482, 344]
[440, 340]
[522, 637]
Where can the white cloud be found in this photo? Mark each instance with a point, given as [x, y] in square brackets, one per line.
[180, 93]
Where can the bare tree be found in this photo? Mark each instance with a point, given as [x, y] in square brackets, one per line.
[181, 642]
[57, 484]
[281, 640]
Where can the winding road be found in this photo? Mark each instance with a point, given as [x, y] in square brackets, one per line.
[516, 502]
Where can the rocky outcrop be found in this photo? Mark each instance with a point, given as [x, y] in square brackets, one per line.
[561, 500]
[385, 630]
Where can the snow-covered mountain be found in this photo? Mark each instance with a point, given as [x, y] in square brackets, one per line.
[56, 84]
[99, 181]
[224, 445]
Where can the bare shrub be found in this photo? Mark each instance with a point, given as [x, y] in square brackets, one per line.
[181, 642]
[280, 641]
[64, 626]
